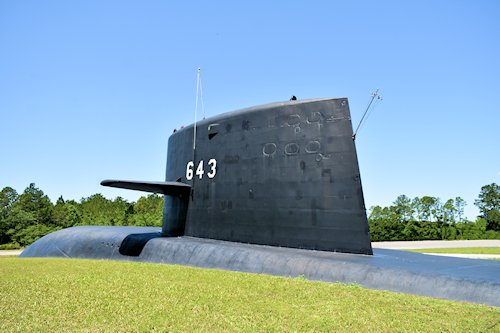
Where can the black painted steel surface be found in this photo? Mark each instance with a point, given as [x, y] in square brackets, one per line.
[283, 174]
[166, 188]
[471, 280]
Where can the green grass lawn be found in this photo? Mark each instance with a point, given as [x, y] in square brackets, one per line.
[55, 295]
[466, 250]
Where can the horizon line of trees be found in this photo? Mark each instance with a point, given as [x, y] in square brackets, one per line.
[428, 218]
[26, 217]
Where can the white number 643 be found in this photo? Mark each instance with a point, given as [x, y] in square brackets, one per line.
[199, 170]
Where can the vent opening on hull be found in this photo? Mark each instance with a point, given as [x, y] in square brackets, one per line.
[133, 244]
[213, 130]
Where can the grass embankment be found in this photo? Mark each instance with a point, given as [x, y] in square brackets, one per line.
[464, 250]
[40, 294]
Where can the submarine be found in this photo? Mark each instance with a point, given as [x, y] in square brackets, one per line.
[272, 189]
[282, 174]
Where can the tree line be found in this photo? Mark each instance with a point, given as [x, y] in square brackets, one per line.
[26, 217]
[428, 218]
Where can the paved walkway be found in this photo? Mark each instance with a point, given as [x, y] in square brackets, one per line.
[10, 253]
[463, 255]
[436, 244]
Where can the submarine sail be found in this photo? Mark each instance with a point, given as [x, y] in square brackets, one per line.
[282, 174]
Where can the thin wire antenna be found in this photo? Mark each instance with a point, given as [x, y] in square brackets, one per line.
[375, 94]
[194, 129]
[369, 113]
[201, 90]
[196, 108]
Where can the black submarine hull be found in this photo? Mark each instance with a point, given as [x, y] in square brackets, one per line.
[273, 189]
[469, 280]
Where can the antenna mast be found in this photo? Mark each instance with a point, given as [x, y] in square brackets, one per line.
[198, 86]
[201, 90]
[379, 98]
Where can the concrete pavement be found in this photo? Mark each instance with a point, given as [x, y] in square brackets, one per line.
[11, 253]
[436, 244]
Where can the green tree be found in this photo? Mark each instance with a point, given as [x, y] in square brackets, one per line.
[386, 222]
[426, 207]
[148, 211]
[474, 230]
[8, 198]
[94, 210]
[489, 205]
[412, 231]
[97, 210]
[65, 214]
[121, 211]
[403, 209]
[32, 233]
[415, 206]
[449, 211]
[34, 200]
[459, 209]
[384, 225]
[32, 208]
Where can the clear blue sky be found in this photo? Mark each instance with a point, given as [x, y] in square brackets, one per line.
[92, 90]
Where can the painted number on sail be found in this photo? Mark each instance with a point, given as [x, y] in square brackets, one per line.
[212, 164]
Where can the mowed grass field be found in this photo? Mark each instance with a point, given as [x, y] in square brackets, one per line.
[55, 295]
